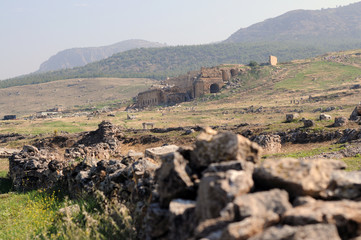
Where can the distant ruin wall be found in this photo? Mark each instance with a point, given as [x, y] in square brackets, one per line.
[272, 60]
[189, 86]
[150, 98]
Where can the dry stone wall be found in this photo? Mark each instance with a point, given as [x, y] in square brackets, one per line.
[217, 189]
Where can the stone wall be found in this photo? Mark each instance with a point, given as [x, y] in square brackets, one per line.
[217, 189]
[189, 86]
[151, 97]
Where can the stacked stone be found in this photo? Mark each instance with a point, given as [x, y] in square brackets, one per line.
[33, 169]
[220, 190]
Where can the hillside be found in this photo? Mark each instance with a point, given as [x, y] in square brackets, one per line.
[22, 100]
[326, 25]
[77, 57]
[159, 63]
[294, 35]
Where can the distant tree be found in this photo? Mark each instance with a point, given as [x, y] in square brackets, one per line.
[253, 64]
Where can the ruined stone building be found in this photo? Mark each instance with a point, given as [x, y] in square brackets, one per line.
[189, 86]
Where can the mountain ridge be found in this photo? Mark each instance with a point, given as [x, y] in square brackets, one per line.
[305, 25]
[77, 57]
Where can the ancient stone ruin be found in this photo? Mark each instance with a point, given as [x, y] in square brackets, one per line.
[190, 86]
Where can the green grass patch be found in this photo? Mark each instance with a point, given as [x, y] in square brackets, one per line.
[353, 163]
[23, 215]
[309, 152]
[319, 76]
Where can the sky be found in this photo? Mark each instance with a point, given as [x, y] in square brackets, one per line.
[31, 31]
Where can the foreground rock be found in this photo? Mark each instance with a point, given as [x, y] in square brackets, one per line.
[345, 215]
[217, 189]
[315, 231]
[212, 147]
[298, 177]
[33, 169]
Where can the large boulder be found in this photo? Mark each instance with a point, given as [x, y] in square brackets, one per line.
[297, 176]
[213, 147]
[216, 190]
[174, 179]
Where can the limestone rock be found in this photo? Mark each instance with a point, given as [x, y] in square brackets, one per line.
[344, 185]
[345, 214]
[270, 204]
[340, 121]
[212, 147]
[315, 231]
[216, 190]
[297, 176]
[231, 165]
[159, 152]
[247, 228]
[174, 180]
[157, 222]
[325, 117]
[182, 219]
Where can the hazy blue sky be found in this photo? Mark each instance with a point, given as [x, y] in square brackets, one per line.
[34, 30]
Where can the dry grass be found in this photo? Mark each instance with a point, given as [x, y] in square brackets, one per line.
[23, 100]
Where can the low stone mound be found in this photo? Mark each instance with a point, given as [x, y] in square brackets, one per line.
[222, 194]
[106, 133]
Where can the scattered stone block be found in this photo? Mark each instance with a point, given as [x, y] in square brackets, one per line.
[325, 117]
[340, 121]
[159, 152]
[292, 117]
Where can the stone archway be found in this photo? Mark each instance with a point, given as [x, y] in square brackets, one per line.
[214, 88]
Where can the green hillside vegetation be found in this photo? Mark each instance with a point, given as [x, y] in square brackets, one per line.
[159, 63]
[320, 75]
